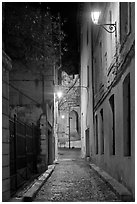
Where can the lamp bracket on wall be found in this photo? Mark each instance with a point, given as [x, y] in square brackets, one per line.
[110, 28]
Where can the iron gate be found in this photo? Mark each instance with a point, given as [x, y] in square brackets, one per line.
[24, 148]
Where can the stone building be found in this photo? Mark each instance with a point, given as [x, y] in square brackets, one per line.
[28, 94]
[32, 101]
[108, 75]
[69, 112]
[6, 67]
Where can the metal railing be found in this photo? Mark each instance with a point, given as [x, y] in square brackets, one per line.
[24, 149]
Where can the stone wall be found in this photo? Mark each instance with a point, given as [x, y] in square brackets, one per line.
[6, 66]
[31, 99]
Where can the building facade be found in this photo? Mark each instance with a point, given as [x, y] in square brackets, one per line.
[108, 73]
[6, 67]
[28, 141]
[69, 112]
[34, 105]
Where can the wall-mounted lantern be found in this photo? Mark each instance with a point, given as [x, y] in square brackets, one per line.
[109, 27]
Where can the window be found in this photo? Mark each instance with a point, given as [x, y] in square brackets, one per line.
[102, 133]
[125, 20]
[96, 137]
[126, 116]
[112, 141]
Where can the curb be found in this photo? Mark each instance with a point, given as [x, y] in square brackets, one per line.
[115, 186]
[31, 193]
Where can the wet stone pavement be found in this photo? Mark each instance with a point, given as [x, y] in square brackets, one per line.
[73, 181]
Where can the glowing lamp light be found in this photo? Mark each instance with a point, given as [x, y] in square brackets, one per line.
[59, 94]
[63, 116]
[95, 16]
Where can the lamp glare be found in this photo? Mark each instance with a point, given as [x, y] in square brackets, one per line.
[95, 16]
[62, 116]
[59, 94]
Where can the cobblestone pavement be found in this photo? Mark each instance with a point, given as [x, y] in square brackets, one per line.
[73, 180]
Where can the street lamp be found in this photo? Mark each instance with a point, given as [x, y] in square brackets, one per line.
[59, 94]
[69, 129]
[62, 116]
[109, 27]
[95, 16]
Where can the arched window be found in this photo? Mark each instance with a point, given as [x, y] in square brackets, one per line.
[74, 120]
[73, 117]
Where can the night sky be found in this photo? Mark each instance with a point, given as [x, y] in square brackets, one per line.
[68, 12]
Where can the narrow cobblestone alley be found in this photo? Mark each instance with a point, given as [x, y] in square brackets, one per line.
[73, 180]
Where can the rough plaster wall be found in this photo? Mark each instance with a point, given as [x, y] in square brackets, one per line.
[32, 92]
[30, 100]
[34, 85]
[119, 166]
[28, 114]
[122, 168]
